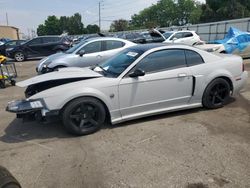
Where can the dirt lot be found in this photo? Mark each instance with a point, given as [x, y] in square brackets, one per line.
[206, 148]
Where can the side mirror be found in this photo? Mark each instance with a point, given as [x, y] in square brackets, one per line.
[81, 53]
[137, 73]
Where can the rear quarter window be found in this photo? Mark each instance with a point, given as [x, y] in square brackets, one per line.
[112, 44]
[187, 34]
[193, 58]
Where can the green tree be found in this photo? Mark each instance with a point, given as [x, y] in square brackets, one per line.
[92, 29]
[53, 26]
[166, 13]
[41, 30]
[119, 25]
[217, 10]
[75, 25]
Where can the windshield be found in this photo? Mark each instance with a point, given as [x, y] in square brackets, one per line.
[74, 48]
[116, 65]
[167, 34]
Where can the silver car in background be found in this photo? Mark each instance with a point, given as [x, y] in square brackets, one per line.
[87, 53]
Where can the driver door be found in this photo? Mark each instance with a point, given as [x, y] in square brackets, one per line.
[92, 54]
[167, 82]
[34, 47]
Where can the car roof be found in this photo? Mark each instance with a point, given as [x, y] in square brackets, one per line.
[106, 38]
[146, 47]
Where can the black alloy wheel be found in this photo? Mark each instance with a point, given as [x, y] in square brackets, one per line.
[216, 94]
[84, 116]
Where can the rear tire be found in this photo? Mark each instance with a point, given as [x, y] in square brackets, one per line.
[19, 56]
[83, 116]
[216, 94]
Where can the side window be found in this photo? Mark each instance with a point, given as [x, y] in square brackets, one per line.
[92, 47]
[35, 41]
[193, 58]
[50, 39]
[163, 60]
[177, 36]
[187, 34]
[112, 44]
[12, 43]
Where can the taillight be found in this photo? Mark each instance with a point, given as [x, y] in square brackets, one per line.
[243, 67]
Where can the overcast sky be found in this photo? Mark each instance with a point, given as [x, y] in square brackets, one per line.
[28, 14]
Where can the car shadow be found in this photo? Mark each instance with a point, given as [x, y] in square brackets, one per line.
[19, 131]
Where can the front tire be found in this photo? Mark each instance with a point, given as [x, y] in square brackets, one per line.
[216, 94]
[7, 180]
[19, 56]
[83, 116]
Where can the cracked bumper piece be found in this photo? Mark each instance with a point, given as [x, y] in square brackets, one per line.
[25, 106]
[28, 109]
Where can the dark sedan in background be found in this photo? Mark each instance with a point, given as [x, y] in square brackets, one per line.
[39, 47]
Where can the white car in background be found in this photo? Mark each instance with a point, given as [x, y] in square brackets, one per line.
[140, 81]
[184, 36]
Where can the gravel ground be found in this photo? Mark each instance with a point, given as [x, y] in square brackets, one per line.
[191, 149]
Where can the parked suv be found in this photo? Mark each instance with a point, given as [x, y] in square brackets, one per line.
[38, 47]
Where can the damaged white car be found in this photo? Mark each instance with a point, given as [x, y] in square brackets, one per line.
[139, 81]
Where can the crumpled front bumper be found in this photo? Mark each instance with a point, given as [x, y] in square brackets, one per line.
[28, 109]
[25, 106]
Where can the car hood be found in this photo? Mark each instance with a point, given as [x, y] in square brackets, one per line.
[51, 58]
[207, 46]
[61, 74]
[157, 33]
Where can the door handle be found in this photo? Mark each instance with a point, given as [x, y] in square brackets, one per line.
[181, 75]
[99, 56]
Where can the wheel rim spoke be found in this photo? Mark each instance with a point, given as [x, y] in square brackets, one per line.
[83, 108]
[213, 99]
[75, 116]
[84, 115]
[220, 99]
[93, 122]
[82, 122]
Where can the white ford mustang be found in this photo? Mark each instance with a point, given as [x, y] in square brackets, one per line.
[140, 81]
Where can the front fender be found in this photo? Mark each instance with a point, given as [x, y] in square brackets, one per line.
[62, 97]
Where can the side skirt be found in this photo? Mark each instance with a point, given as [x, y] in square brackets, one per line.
[155, 112]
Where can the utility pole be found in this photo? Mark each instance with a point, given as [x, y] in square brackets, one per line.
[100, 16]
[7, 19]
